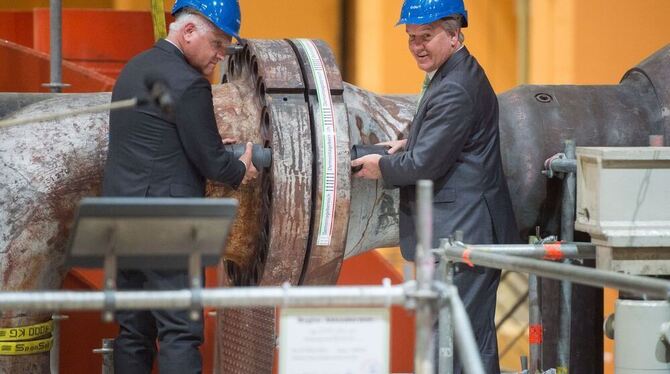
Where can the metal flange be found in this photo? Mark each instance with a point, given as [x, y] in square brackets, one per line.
[332, 176]
[271, 69]
[304, 197]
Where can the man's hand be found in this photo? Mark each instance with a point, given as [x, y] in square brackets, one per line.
[370, 167]
[251, 172]
[394, 145]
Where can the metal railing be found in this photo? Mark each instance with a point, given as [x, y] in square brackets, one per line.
[383, 296]
[424, 347]
[647, 287]
[546, 251]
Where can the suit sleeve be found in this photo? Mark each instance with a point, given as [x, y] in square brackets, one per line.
[194, 116]
[443, 133]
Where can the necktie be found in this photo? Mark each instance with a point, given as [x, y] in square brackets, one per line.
[424, 87]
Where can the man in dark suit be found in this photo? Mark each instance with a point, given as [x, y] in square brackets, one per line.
[154, 154]
[454, 142]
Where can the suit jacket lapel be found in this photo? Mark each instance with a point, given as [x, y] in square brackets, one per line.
[439, 74]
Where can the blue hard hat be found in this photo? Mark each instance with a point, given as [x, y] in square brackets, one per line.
[225, 14]
[423, 12]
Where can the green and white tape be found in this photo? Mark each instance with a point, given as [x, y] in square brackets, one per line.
[329, 141]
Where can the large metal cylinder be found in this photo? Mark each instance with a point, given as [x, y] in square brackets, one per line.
[534, 121]
[305, 214]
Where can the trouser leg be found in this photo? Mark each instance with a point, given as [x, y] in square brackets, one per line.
[179, 338]
[477, 288]
[135, 346]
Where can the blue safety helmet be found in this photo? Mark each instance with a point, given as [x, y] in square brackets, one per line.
[225, 14]
[423, 12]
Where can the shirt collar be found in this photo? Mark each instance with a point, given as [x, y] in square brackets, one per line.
[431, 74]
[174, 44]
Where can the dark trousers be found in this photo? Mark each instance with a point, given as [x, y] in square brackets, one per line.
[178, 337]
[477, 287]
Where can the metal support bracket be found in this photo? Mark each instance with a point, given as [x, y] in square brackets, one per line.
[110, 270]
[195, 277]
[107, 352]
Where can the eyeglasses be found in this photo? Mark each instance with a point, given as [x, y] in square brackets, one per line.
[219, 43]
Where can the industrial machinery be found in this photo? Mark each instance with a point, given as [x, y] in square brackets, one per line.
[630, 227]
[305, 214]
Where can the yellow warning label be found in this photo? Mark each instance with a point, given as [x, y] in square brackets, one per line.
[31, 332]
[25, 348]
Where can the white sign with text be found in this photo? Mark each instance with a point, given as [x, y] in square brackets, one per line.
[334, 341]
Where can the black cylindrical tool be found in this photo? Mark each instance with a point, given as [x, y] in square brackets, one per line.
[261, 157]
[360, 150]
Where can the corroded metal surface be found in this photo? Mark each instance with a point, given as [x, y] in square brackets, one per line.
[12, 102]
[270, 67]
[274, 62]
[246, 336]
[373, 217]
[288, 218]
[45, 168]
[48, 167]
[286, 129]
[238, 117]
[277, 251]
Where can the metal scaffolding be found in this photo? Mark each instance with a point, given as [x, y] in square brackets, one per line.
[426, 295]
[429, 295]
[647, 287]
[286, 296]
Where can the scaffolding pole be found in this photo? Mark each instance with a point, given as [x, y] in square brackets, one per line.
[445, 356]
[284, 296]
[56, 42]
[424, 346]
[546, 251]
[647, 287]
[464, 337]
[535, 327]
[207, 297]
[55, 47]
[567, 234]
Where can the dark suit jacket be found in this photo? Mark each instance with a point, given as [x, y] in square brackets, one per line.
[454, 142]
[153, 155]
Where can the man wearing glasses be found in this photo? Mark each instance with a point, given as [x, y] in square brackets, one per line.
[155, 153]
